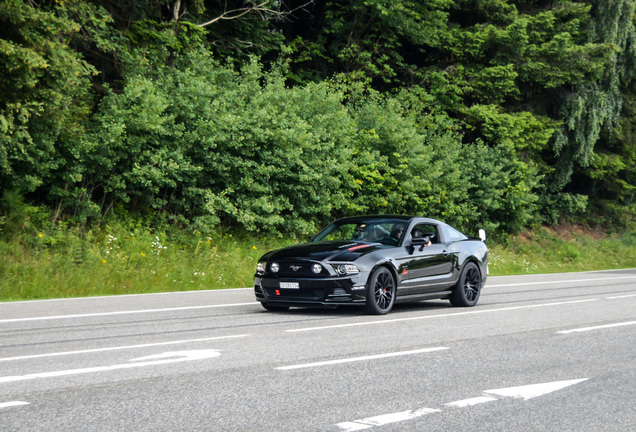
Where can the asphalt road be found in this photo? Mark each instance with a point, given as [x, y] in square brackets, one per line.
[538, 353]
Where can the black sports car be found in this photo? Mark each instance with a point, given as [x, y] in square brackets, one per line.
[374, 262]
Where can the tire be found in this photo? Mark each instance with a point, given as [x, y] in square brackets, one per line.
[468, 287]
[380, 292]
[275, 308]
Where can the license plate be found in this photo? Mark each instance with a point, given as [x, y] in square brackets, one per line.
[290, 285]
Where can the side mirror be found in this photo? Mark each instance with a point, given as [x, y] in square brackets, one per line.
[420, 240]
[482, 235]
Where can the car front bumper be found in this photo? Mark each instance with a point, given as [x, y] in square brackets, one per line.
[324, 291]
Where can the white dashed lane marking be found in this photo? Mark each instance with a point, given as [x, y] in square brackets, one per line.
[446, 315]
[12, 404]
[600, 327]
[356, 359]
[118, 348]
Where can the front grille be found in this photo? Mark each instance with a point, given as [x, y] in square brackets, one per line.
[296, 294]
[298, 269]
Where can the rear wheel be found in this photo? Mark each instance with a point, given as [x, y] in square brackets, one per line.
[381, 292]
[466, 292]
[275, 308]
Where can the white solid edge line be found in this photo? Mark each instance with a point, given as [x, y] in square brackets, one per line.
[356, 359]
[141, 311]
[561, 281]
[88, 351]
[629, 269]
[600, 327]
[57, 317]
[472, 312]
[221, 290]
[114, 296]
[12, 404]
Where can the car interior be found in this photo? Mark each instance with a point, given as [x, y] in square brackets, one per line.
[422, 230]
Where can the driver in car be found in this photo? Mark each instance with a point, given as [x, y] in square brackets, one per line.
[416, 233]
[396, 232]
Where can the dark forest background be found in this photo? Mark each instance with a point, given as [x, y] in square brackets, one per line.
[278, 116]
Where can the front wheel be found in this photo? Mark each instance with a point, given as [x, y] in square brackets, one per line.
[466, 292]
[381, 292]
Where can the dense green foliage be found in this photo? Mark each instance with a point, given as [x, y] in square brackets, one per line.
[277, 116]
[130, 257]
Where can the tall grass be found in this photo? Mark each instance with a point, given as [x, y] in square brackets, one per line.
[122, 258]
[563, 249]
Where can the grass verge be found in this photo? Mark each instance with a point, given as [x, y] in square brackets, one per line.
[563, 248]
[118, 259]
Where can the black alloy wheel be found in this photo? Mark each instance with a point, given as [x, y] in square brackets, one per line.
[468, 288]
[381, 292]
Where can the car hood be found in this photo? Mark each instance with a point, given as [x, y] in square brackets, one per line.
[345, 251]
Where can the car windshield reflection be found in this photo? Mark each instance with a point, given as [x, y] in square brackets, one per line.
[385, 231]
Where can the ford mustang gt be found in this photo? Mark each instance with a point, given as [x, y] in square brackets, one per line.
[375, 262]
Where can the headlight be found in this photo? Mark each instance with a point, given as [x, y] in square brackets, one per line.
[316, 268]
[274, 267]
[260, 267]
[346, 269]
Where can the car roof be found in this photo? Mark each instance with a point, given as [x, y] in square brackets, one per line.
[398, 217]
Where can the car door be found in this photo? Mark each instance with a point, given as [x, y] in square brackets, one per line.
[430, 266]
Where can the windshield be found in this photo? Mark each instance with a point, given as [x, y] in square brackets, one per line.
[387, 231]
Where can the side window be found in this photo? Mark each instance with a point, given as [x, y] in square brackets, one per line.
[454, 235]
[425, 230]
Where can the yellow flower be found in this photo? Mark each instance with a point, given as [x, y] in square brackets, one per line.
[559, 251]
[104, 261]
[143, 254]
[40, 235]
[254, 247]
